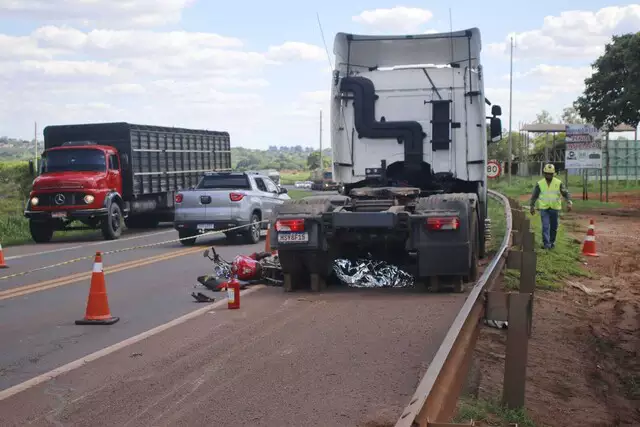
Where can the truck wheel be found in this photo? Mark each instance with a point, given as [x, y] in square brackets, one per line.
[475, 249]
[112, 224]
[41, 232]
[252, 235]
[188, 238]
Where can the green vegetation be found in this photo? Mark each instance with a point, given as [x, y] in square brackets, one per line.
[298, 194]
[617, 76]
[289, 178]
[491, 413]
[521, 186]
[15, 183]
[282, 158]
[498, 224]
[556, 265]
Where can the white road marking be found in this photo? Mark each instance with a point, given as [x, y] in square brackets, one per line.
[4, 394]
[70, 248]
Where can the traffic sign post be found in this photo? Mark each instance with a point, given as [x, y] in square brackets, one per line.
[494, 170]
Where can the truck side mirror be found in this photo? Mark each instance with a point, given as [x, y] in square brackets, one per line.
[496, 110]
[32, 168]
[495, 129]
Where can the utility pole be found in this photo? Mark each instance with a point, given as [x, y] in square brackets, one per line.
[321, 164]
[35, 141]
[510, 110]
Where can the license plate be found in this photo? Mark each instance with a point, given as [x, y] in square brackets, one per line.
[293, 237]
[206, 226]
[58, 215]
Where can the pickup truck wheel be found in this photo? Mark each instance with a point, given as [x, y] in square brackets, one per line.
[112, 223]
[187, 238]
[41, 232]
[252, 235]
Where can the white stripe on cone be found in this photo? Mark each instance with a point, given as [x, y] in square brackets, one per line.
[590, 239]
[97, 267]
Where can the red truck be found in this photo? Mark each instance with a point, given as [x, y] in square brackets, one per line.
[104, 175]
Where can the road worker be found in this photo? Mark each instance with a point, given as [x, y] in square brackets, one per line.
[548, 193]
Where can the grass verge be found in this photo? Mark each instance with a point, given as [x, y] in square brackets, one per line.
[289, 178]
[491, 414]
[556, 265]
[524, 185]
[498, 224]
[298, 194]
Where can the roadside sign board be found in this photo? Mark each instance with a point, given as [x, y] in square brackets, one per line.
[493, 169]
[583, 147]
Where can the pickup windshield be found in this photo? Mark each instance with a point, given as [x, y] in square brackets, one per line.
[224, 182]
[73, 160]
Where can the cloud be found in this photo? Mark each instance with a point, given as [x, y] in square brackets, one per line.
[63, 74]
[561, 78]
[294, 51]
[543, 87]
[115, 13]
[398, 19]
[574, 34]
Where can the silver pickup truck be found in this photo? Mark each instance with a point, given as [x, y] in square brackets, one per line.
[223, 200]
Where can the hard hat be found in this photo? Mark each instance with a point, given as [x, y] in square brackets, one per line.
[549, 168]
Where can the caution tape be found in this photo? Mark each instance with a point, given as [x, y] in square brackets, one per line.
[115, 251]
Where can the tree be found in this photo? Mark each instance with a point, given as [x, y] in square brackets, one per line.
[570, 116]
[612, 94]
[543, 117]
[313, 161]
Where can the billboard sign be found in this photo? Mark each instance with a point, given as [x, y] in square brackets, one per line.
[583, 147]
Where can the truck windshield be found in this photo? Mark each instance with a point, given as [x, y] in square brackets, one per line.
[225, 182]
[73, 160]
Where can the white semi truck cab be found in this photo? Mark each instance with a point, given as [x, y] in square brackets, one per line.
[409, 142]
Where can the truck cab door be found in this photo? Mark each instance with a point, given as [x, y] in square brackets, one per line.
[114, 176]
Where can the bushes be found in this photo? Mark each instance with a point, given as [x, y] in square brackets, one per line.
[15, 184]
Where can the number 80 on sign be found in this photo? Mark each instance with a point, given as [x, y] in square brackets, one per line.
[493, 169]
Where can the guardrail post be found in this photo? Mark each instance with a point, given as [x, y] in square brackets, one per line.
[515, 370]
[520, 312]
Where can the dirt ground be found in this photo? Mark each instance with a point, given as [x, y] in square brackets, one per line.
[584, 364]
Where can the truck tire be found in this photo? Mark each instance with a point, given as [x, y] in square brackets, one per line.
[475, 251]
[252, 235]
[41, 232]
[310, 268]
[112, 223]
[187, 238]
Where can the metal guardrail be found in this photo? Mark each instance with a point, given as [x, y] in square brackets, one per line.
[436, 396]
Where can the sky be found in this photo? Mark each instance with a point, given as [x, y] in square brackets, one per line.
[259, 69]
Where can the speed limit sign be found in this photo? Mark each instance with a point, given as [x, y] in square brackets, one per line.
[493, 169]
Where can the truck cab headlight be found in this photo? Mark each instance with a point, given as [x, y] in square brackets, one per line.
[35, 201]
[88, 199]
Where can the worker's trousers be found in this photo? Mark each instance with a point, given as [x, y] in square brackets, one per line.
[549, 219]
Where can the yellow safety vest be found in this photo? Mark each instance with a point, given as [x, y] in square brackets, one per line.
[550, 196]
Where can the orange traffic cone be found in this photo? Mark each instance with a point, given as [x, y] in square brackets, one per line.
[589, 246]
[97, 305]
[267, 242]
[2, 263]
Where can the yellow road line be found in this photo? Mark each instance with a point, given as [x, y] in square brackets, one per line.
[77, 277]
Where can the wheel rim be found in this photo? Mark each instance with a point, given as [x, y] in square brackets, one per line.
[255, 229]
[115, 219]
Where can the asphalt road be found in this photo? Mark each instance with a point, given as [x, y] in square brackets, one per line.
[341, 358]
[146, 287]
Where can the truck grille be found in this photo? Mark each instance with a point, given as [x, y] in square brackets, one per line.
[65, 197]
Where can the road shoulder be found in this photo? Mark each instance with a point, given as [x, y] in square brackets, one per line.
[340, 358]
